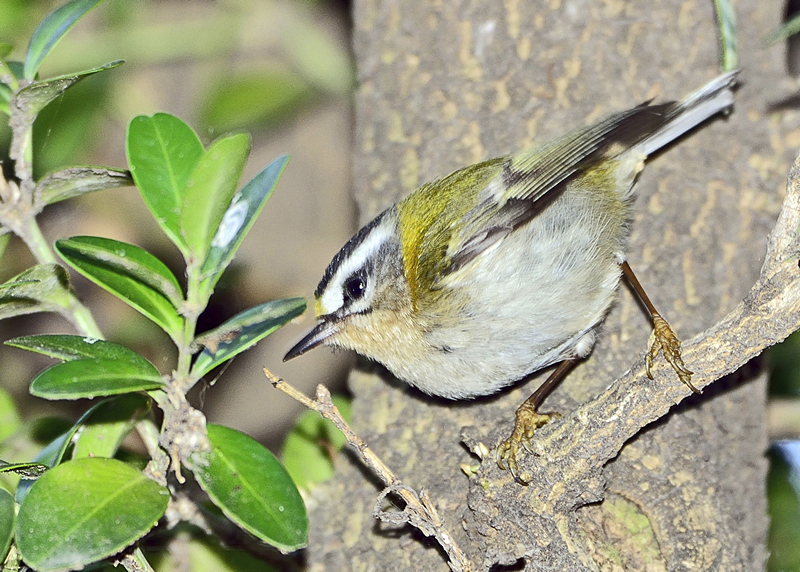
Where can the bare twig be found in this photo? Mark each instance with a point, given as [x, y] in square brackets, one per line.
[419, 511]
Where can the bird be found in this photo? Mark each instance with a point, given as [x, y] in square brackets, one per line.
[478, 279]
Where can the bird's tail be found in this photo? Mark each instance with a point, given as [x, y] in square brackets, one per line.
[715, 96]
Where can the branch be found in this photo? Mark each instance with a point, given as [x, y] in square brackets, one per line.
[596, 431]
[419, 511]
[565, 470]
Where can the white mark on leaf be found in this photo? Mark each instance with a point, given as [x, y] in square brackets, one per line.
[232, 221]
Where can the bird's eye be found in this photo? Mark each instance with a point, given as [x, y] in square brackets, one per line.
[354, 288]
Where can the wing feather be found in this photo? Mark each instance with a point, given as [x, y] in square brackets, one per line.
[530, 180]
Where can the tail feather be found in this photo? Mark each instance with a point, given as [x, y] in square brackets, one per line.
[715, 96]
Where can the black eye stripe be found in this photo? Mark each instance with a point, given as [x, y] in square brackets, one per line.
[347, 251]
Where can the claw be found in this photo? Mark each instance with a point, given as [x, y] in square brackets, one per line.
[664, 340]
[528, 420]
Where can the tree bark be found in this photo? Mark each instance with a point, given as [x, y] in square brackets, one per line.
[639, 476]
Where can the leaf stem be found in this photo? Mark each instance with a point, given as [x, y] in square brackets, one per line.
[196, 301]
[33, 238]
[82, 318]
[74, 310]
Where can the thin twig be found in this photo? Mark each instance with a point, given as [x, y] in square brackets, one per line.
[419, 511]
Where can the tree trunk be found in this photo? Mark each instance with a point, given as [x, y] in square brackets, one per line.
[448, 83]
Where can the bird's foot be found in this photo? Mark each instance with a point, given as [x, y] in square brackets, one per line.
[528, 420]
[664, 340]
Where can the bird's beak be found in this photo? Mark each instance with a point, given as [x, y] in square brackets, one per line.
[321, 332]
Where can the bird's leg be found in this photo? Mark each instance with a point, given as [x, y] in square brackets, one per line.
[663, 339]
[528, 420]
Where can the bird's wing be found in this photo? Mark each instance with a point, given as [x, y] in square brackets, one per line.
[528, 181]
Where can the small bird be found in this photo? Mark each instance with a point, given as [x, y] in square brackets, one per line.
[476, 280]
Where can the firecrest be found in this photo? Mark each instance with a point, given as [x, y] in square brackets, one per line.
[475, 281]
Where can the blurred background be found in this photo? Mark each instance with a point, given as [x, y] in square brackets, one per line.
[281, 70]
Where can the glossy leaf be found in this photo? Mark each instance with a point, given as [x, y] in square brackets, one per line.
[130, 260]
[94, 378]
[125, 283]
[209, 191]
[76, 181]
[86, 510]
[9, 416]
[111, 421]
[308, 449]
[31, 99]
[50, 456]
[239, 218]
[54, 452]
[243, 331]
[68, 347]
[8, 519]
[51, 30]
[41, 288]
[162, 153]
[252, 488]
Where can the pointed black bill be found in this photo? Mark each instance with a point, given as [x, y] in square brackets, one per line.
[321, 332]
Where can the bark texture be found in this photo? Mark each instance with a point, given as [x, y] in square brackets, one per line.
[638, 475]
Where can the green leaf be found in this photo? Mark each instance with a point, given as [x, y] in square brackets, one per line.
[86, 510]
[7, 521]
[209, 190]
[25, 470]
[15, 68]
[54, 452]
[68, 347]
[258, 98]
[5, 49]
[51, 30]
[162, 153]
[111, 421]
[107, 270]
[31, 99]
[242, 213]
[203, 553]
[5, 99]
[4, 238]
[252, 488]
[76, 181]
[9, 416]
[130, 260]
[726, 17]
[41, 288]
[785, 30]
[95, 377]
[309, 446]
[243, 331]
[51, 455]
[327, 65]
